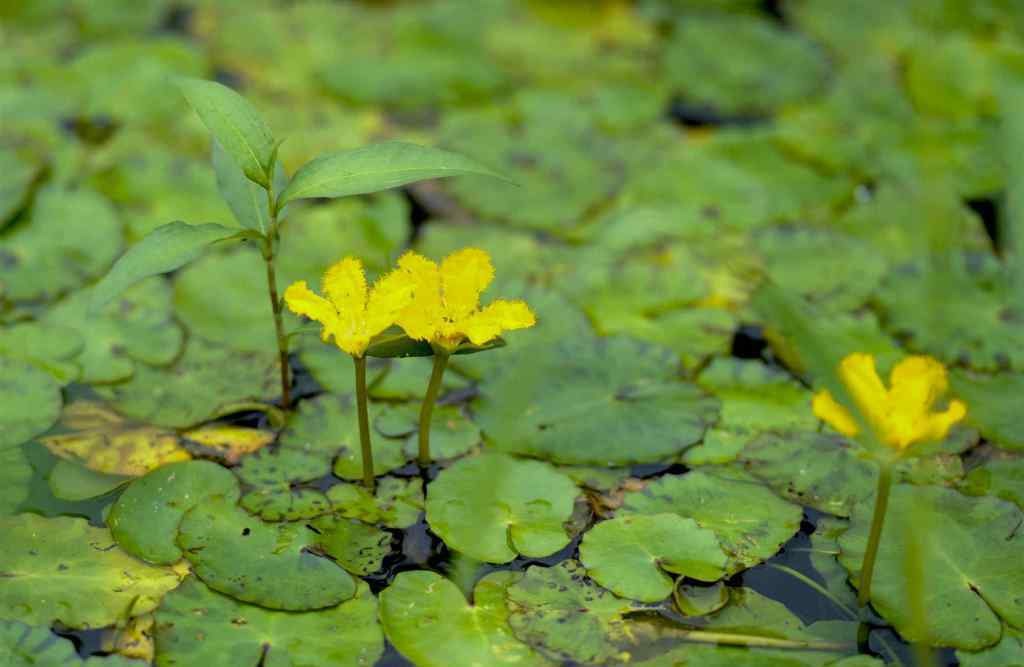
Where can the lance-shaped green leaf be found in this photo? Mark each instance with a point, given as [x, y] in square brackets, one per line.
[235, 124]
[429, 621]
[377, 167]
[247, 200]
[164, 249]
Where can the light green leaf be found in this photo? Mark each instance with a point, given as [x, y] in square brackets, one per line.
[17, 184]
[65, 570]
[163, 250]
[970, 559]
[376, 167]
[395, 503]
[521, 509]
[628, 553]
[1009, 652]
[429, 621]
[247, 201]
[993, 405]
[145, 518]
[27, 646]
[30, 401]
[273, 478]
[235, 124]
[269, 565]
[750, 521]
[51, 348]
[356, 546]
[72, 481]
[197, 626]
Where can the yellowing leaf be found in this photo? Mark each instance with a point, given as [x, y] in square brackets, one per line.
[229, 443]
[101, 440]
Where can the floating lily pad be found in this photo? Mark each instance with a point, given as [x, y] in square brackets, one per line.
[452, 434]
[73, 236]
[145, 518]
[103, 441]
[329, 425]
[630, 555]
[604, 402]
[831, 476]
[333, 369]
[204, 380]
[756, 397]
[71, 481]
[30, 401]
[18, 178]
[49, 348]
[429, 621]
[970, 560]
[742, 64]
[957, 311]
[695, 334]
[270, 565]
[693, 599]
[830, 269]
[521, 509]
[407, 379]
[395, 503]
[136, 327]
[276, 477]
[993, 405]
[750, 521]
[27, 646]
[16, 474]
[562, 613]
[229, 443]
[198, 626]
[65, 570]
[356, 546]
[1009, 652]
[1001, 476]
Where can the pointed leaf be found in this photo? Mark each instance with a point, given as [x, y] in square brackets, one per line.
[235, 124]
[166, 248]
[377, 167]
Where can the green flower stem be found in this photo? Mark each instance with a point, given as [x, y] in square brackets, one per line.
[736, 639]
[364, 422]
[427, 410]
[877, 520]
[816, 586]
[282, 339]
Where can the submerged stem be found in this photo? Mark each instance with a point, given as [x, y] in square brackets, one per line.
[427, 410]
[364, 422]
[736, 639]
[877, 519]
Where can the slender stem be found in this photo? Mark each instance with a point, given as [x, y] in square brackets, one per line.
[282, 339]
[427, 410]
[816, 586]
[735, 639]
[364, 422]
[877, 519]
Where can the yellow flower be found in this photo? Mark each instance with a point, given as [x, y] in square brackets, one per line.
[446, 308]
[900, 415]
[350, 314]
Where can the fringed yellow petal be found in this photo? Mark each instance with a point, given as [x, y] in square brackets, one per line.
[832, 413]
[501, 315]
[344, 283]
[936, 426]
[422, 319]
[465, 274]
[858, 373]
[916, 383]
[303, 301]
[389, 297]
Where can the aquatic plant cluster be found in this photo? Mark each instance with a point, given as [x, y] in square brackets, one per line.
[508, 332]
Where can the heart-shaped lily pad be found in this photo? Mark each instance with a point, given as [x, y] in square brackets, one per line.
[521, 509]
[145, 518]
[756, 397]
[63, 569]
[205, 379]
[970, 559]
[406, 380]
[138, 326]
[629, 555]
[750, 521]
[395, 503]
[27, 646]
[275, 478]
[356, 546]
[993, 405]
[74, 235]
[71, 481]
[198, 626]
[563, 614]
[1009, 652]
[103, 441]
[270, 565]
[30, 401]
[605, 401]
[50, 348]
[429, 621]
[329, 425]
[1001, 475]
[16, 477]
